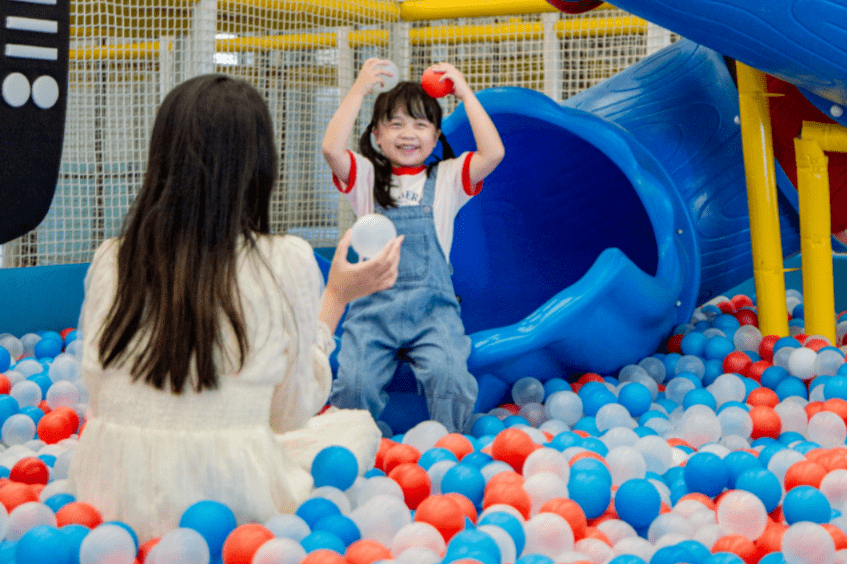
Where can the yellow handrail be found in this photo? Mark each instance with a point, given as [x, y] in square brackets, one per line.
[766, 243]
[815, 224]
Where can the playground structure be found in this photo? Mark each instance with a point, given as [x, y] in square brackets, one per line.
[621, 205]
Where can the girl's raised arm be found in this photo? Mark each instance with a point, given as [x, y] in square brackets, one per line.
[340, 127]
[489, 147]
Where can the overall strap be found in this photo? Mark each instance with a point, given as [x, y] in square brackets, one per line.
[429, 187]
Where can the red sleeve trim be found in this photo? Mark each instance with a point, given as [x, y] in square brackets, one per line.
[351, 179]
[466, 178]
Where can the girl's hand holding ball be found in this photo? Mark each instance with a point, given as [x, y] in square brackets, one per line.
[434, 85]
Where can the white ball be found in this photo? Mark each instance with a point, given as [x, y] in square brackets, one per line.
[801, 363]
[388, 82]
[742, 513]
[806, 542]
[371, 233]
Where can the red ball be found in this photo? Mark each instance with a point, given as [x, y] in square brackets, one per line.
[815, 344]
[30, 470]
[741, 300]
[570, 511]
[804, 473]
[758, 368]
[674, 344]
[736, 362]
[5, 384]
[433, 85]
[366, 551]
[512, 446]
[145, 548]
[763, 396]
[747, 316]
[319, 556]
[78, 513]
[508, 494]
[574, 6]
[738, 545]
[243, 542]
[414, 481]
[766, 347]
[838, 536]
[58, 424]
[771, 539]
[467, 505]
[384, 446]
[13, 494]
[443, 513]
[511, 408]
[399, 454]
[726, 306]
[64, 332]
[456, 443]
[766, 422]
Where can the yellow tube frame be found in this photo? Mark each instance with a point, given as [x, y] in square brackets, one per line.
[757, 144]
[815, 225]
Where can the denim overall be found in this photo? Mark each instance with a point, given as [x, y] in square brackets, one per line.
[419, 318]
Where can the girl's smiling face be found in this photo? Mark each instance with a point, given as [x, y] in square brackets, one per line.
[406, 140]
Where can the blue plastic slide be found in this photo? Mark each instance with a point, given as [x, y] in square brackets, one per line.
[611, 217]
[803, 42]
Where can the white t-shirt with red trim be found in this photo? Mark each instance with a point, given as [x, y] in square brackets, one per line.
[453, 190]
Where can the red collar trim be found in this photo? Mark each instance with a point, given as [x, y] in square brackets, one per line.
[400, 170]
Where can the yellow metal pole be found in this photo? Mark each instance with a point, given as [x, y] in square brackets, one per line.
[815, 225]
[757, 144]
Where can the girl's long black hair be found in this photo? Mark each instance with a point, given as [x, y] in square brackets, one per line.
[413, 99]
[211, 169]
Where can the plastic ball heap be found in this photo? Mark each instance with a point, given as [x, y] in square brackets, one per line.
[725, 447]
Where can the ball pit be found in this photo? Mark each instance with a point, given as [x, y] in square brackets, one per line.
[727, 446]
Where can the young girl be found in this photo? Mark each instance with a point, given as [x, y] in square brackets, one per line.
[204, 335]
[419, 318]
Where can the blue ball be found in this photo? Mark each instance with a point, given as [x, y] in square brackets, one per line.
[791, 386]
[433, 455]
[565, 440]
[71, 337]
[648, 415]
[626, 559]
[697, 550]
[587, 424]
[762, 483]
[724, 558]
[56, 501]
[770, 449]
[213, 520]
[638, 502]
[718, 347]
[673, 554]
[48, 347]
[314, 509]
[43, 544]
[798, 311]
[772, 376]
[693, 343]
[33, 412]
[737, 462]
[786, 342]
[513, 420]
[317, 540]
[335, 466]
[699, 396]
[534, 559]
[43, 381]
[806, 503]
[644, 431]
[508, 523]
[592, 402]
[478, 459]
[636, 398]
[706, 473]
[8, 407]
[714, 368]
[487, 425]
[727, 323]
[472, 544]
[789, 437]
[591, 490]
[75, 534]
[5, 359]
[772, 558]
[464, 479]
[552, 386]
[670, 361]
[595, 445]
[836, 387]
